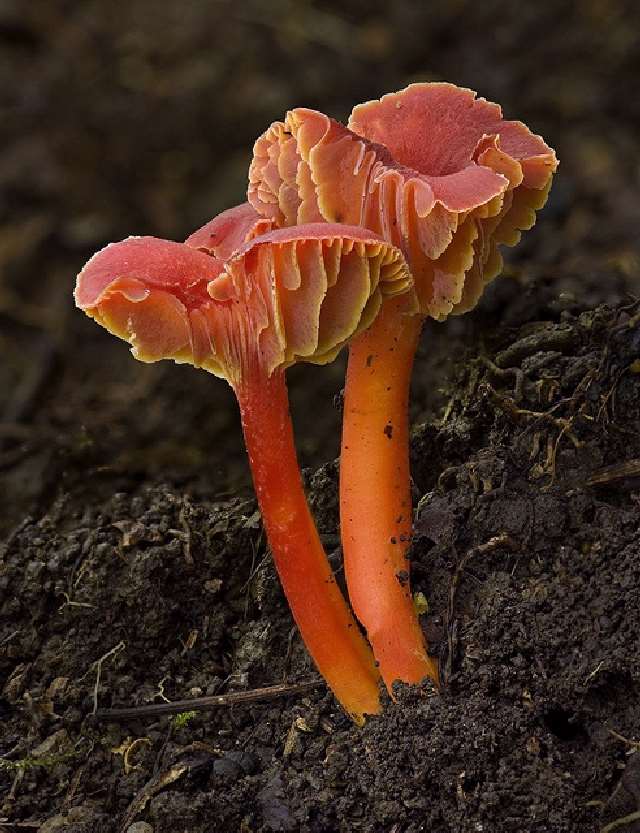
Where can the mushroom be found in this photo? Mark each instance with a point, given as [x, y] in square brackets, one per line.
[438, 173]
[228, 231]
[288, 295]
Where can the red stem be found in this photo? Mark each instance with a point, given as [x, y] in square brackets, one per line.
[375, 493]
[325, 622]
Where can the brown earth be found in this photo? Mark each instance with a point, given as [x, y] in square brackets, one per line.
[130, 530]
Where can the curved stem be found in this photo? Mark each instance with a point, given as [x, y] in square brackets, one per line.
[325, 622]
[375, 493]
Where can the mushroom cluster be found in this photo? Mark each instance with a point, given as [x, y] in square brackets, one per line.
[441, 175]
[350, 236]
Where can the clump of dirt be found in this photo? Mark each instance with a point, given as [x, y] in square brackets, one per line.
[527, 548]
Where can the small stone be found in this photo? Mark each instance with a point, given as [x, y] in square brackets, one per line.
[76, 815]
[54, 824]
[227, 768]
[235, 763]
[55, 744]
[140, 827]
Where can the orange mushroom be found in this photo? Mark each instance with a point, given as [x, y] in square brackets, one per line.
[289, 295]
[438, 173]
[229, 231]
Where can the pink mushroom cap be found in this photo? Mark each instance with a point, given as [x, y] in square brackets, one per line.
[228, 231]
[431, 168]
[287, 295]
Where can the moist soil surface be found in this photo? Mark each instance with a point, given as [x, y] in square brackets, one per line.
[133, 565]
[527, 549]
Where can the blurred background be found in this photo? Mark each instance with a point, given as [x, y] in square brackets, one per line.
[138, 117]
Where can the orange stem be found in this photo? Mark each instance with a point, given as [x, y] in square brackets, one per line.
[325, 622]
[375, 493]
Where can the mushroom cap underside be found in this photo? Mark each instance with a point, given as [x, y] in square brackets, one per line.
[288, 295]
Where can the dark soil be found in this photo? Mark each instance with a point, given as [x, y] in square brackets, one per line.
[527, 549]
[134, 568]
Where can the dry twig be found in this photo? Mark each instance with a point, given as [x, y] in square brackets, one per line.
[208, 703]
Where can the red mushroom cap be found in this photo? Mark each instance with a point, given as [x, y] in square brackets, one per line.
[429, 168]
[144, 290]
[223, 235]
[440, 129]
[292, 294]
[460, 128]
